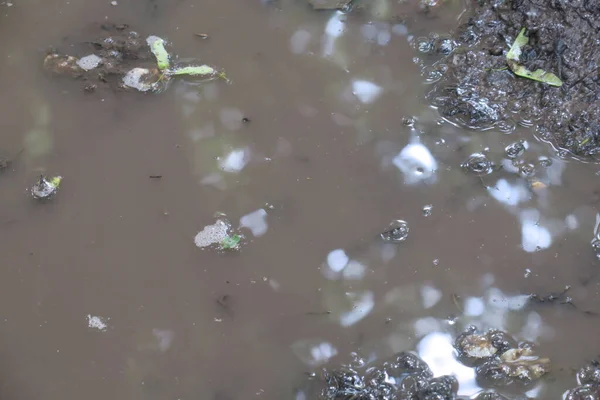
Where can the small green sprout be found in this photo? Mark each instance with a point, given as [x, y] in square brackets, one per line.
[231, 242]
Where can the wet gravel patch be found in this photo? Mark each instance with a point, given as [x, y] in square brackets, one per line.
[478, 90]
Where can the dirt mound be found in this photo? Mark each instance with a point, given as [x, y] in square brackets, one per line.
[478, 89]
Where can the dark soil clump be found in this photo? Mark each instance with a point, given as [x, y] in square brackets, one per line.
[118, 49]
[479, 91]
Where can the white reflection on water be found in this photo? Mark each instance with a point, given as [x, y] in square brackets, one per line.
[164, 337]
[417, 164]
[510, 194]
[366, 92]
[256, 221]
[534, 235]
[299, 41]
[377, 32]
[333, 30]
[337, 260]
[339, 265]
[362, 305]
[235, 161]
[430, 296]
[314, 352]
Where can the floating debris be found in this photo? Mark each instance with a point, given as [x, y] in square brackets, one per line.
[97, 323]
[142, 79]
[396, 232]
[479, 164]
[513, 60]
[126, 59]
[44, 188]
[213, 234]
[63, 65]
[89, 62]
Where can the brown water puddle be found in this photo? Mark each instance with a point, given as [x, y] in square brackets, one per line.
[327, 156]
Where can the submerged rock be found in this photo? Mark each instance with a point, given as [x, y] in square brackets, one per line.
[519, 366]
[589, 384]
[406, 376]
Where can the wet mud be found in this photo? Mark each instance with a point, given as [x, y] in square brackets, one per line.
[313, 229]
[478, 90]
[111, 50]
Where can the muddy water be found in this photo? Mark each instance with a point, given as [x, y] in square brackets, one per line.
[326, 153]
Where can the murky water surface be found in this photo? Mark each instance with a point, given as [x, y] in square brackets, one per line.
[318, 143]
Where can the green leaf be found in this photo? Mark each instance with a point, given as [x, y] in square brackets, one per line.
[194, 71]
[537, 75]
[56, 181]
[231, 242]
[513, 56]
[157, 46]
[515, 51]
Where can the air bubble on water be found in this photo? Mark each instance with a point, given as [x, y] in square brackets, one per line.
[527, 170]
[515, 149]
[596, 246]
[479, 164]
[506, 126]
[424, 45]
[357, 361]
[396, 232]
[545, 162]
[427, 209]
[408, 121]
